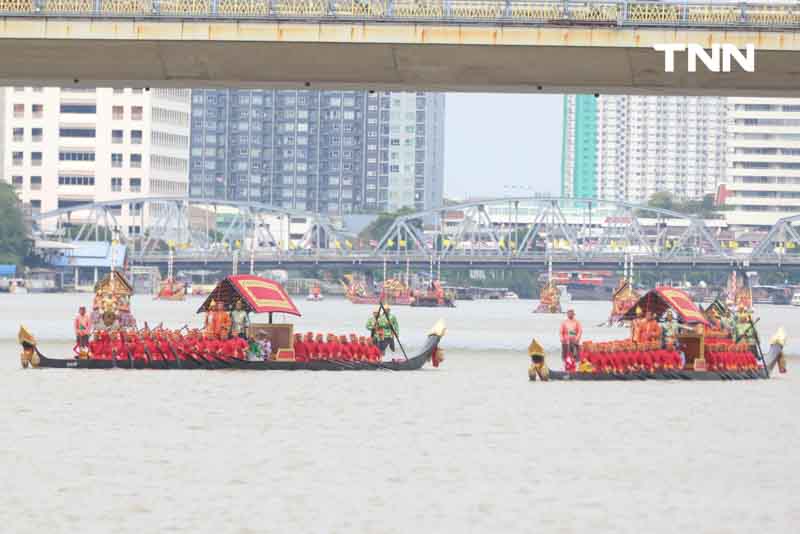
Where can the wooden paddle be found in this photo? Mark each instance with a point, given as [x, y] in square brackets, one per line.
[391, 327]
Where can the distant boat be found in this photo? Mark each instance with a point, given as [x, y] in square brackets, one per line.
[796, 299]
[510, 295]
[315, 294]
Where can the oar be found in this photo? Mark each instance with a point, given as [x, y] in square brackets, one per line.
[175, 355]
[758, 344]
[391, 327]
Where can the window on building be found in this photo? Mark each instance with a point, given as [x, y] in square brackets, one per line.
[116, 137]
[118, 113]
[36, 135]
[36, 183]
[116, 160]
[136, 113]
[36, 159]
[76, 132]
[75, 180]
[19, 111]
[75, 156]
[136, 137]
[116, 185]
[16, 158]
[18, 134]
[37, 110]
[79, 108]
[17, 182]
[136, 185]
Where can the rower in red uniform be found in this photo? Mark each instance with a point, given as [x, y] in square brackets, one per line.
[228, 348]
[98, 346]
[150, 349]
[164, 346]
[119, 350]
[311, 347]
[300, 349]
[373, 352]
[346, 353]
[334, 348]
[323, 350]
[135, 346]
[355, 348]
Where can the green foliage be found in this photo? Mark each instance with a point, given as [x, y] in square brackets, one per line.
[14, 243]
[378, 228]
[704, 208]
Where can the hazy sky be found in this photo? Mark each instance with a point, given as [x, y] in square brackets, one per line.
[495, 141]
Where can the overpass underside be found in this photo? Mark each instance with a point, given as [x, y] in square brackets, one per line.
[509, 57]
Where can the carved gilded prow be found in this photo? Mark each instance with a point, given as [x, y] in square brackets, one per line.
[29, 355]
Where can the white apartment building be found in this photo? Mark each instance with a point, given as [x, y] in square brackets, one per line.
[763, 182]
[62, 147]
[647, 144]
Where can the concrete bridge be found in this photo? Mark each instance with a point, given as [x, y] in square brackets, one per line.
[459, 45]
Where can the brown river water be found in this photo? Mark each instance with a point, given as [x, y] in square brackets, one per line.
[469, 447]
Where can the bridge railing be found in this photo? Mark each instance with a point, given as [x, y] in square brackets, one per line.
[538, 12]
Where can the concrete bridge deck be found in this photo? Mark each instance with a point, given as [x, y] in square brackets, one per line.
[461, 45]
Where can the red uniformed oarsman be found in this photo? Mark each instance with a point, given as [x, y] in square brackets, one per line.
[311, 347]
[334, 349]
[373, 352]
[135, 346]
[355, 349]
[345, 352]
[97, 349]
[300, 349]
[118, 348]
[323, 352]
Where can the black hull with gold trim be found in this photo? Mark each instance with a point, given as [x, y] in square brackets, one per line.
[774, 357]
[428, 351]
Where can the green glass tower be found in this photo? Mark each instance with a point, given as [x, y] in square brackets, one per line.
[579, 147]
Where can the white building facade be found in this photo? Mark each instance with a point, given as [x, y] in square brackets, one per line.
[650, 144]
[62, 147]
[763, 182]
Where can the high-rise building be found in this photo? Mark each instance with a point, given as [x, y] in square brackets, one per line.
[320, 151]
[71, 146]
[579, 147]
[763, 177]
[644, 145]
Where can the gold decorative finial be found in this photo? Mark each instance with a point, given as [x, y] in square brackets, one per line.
[439, 329]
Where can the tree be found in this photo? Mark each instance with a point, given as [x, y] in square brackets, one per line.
[378, 228]
[14, 243]
[662, 200]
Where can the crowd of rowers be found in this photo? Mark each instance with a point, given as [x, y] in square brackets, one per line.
[654, 346]
[198, 345]
[631, 357]
[225, 337]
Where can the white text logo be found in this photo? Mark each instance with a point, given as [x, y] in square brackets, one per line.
[718, 60]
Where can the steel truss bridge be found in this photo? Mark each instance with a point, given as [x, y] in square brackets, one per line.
[500, 233]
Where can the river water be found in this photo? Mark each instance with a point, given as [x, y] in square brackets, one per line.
[469, 447]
